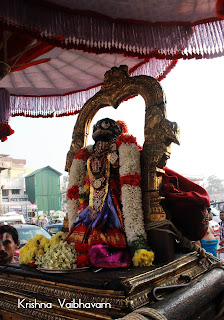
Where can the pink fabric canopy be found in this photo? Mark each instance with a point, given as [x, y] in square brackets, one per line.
[89, 37]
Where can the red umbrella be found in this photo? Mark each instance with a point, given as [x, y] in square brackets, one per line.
[59, 50]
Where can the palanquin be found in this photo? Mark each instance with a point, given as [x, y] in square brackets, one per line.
[178, 286]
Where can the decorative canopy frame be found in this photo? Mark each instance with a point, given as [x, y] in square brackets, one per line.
[59, 50]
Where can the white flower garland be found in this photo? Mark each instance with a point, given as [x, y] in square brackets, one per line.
[131, 195]
[72, 210]
[76, 177]
[77, 173]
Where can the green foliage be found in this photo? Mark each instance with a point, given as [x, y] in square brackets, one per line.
[214, 184]
[139, 243]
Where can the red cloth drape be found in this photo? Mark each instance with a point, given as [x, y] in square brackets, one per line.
[186, 203]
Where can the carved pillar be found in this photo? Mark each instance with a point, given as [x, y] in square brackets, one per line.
[159, 134]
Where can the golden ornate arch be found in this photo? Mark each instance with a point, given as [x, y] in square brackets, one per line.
[159, 132]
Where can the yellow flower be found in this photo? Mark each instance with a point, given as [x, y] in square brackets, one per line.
[57, 238]
[34, 247]
[39, 252]
[143, 258]
[29, 242]
[37, 239]
[23, 255]
[47, 245]
[31, 246]
[26, 256]
[81, 200]
[32, 251]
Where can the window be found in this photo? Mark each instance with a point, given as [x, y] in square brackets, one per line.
[5, 193]
[15, 191]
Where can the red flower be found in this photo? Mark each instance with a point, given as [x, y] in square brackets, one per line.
[83, 154]
[82, 247]
[83, 261]
[126, 138]
[133, 180]
[73, 192]
[32, 264]
[82, 206]
[124, 126]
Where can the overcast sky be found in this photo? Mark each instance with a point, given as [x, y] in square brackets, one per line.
[194, 91]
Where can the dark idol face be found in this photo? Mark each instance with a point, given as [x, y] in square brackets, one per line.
[106, 130]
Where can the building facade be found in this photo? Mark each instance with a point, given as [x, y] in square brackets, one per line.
[13, 196]
[43, 189]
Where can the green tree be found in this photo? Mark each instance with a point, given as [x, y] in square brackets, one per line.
[214, 184]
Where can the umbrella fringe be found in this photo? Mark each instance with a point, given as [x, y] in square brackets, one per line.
[72, 103]
[170, 40]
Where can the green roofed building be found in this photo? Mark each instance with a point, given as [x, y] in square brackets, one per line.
[43, 188]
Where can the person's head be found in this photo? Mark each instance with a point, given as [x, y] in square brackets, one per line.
[221, 215]
[210, 214]
[9, 242]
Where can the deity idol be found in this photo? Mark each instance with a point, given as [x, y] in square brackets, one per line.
[104, 200]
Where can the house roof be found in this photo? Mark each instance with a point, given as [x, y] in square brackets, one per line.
[41, 169]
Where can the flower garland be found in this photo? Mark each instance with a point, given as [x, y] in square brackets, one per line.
[131, 196]
[130, 177]
[78, 185]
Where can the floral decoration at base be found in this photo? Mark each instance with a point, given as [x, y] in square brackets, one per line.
[54, 253]
[59, 256]
[34, 247]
